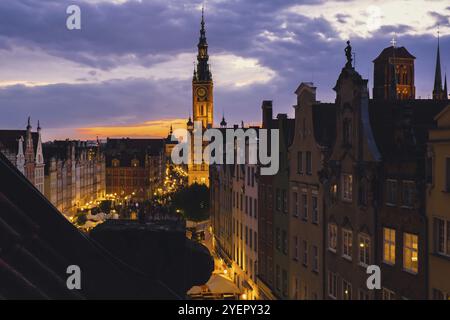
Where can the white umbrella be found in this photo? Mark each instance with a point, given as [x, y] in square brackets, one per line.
[219, 285]
[195, 290]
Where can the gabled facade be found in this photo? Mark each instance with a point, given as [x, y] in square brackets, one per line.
[308, 153]
[75, 174]
[350, 215]
[24, 149]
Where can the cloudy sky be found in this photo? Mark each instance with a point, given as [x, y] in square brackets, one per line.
[128, 71]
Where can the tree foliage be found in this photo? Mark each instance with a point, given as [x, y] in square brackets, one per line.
[193, 202]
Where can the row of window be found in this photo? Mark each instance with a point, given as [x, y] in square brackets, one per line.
[248, 174]
[305, 295]
[283, 281]
[250, 267]
[305, 254]
[304, 209]
[247, 204]
[407, 192]
[404, 195]
[440, 295]
[307, 161]
[250, 237]
[346, 290]
[410, 247]
[364, 244]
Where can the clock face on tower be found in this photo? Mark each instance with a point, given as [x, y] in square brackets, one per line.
[201, 92]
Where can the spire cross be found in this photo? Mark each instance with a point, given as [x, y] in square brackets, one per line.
[393, 41]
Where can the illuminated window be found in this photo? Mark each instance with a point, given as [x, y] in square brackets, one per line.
[389, 245]
[332, 237]
[347, 187]
[115, 162]
[364, 250]
[334, 192]
[411, 252]
[347, 243]
[346, 290]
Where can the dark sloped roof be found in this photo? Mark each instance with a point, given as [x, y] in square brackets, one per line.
[57, 150]
[401, 127]
[149, 145]
[126, 149]
[400, 52]
[9, 139]
[37, 244]
[324, 122]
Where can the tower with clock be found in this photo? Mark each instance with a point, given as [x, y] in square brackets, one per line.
[202, 84]
[202, 105]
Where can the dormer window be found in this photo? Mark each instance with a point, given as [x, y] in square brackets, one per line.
[115, 162]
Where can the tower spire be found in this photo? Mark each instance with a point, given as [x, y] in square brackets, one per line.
[203, 71]
[437, 89]
[445, 88]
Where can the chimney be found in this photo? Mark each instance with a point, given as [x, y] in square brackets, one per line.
[266, 113]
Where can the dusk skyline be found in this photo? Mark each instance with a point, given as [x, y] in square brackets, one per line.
[128, 72]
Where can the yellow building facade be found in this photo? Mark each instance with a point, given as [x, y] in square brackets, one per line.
[438, 204]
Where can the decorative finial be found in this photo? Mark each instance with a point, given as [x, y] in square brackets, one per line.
[39, 125]
[348, 54]
[203, 18]
[29, 123]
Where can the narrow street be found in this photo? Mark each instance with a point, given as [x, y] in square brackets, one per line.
[220, 285]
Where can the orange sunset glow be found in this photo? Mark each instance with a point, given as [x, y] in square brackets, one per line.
[153, 128]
